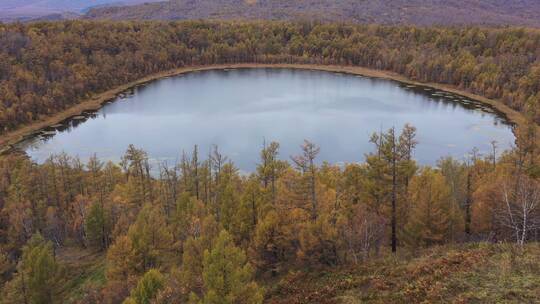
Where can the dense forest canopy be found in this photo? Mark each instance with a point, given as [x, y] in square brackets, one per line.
[201, 232]
[411, 12]
[48, 67]
[402, 12]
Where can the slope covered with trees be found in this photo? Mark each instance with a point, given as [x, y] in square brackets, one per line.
[412, 12]
[48, 67]
[201, 232]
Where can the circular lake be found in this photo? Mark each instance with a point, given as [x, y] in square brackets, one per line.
[239, 109]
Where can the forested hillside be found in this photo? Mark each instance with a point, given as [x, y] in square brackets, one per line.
[411, 12]
[296, 230]
[48, 67]
[290, 232]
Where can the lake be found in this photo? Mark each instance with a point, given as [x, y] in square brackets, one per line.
[239, 109]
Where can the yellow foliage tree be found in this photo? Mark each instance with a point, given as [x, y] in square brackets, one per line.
[430, 210]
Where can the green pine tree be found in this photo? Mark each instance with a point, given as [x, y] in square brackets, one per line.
[98, 226]
[37, 278]
[150, 236]
[147, 288]
[228, 277]
[429, 220]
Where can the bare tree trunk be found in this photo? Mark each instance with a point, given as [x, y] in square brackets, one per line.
[524, 230]
[394, 193]
[195, 160]
[468, 205]
[314, 206]
[521, 209]
[25, 296]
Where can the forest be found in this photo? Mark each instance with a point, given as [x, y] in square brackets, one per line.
[199, 231]
[390, 12]
[48, 67]
[384, 229]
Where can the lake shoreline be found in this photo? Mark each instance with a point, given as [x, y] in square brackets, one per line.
[8, 140]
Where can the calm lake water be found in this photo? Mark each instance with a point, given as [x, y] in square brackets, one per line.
[239, 109]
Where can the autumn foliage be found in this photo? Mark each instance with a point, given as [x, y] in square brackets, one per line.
[202, 232]
[48, 67]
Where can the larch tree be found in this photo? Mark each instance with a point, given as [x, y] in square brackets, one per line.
[456, 176]
[388, 171]
[430, 216]
[270, 169]
[38, 276]
[305, 162]
[121, 262]
[228, 277]
[150, 236]
[98, 226]
[250, 208]
[272, 243]
[147, 288]
[190, 274]
[137, 168]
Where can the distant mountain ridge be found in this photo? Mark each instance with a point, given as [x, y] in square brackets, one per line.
[45, 9]
[418, 12]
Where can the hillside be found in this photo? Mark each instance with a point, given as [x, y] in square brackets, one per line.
[380, 229]
[54, 9]
[474, 60]
[476, 273]
[418, 12]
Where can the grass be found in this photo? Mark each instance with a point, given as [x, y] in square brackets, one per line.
[84, 270]
[474, 273]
